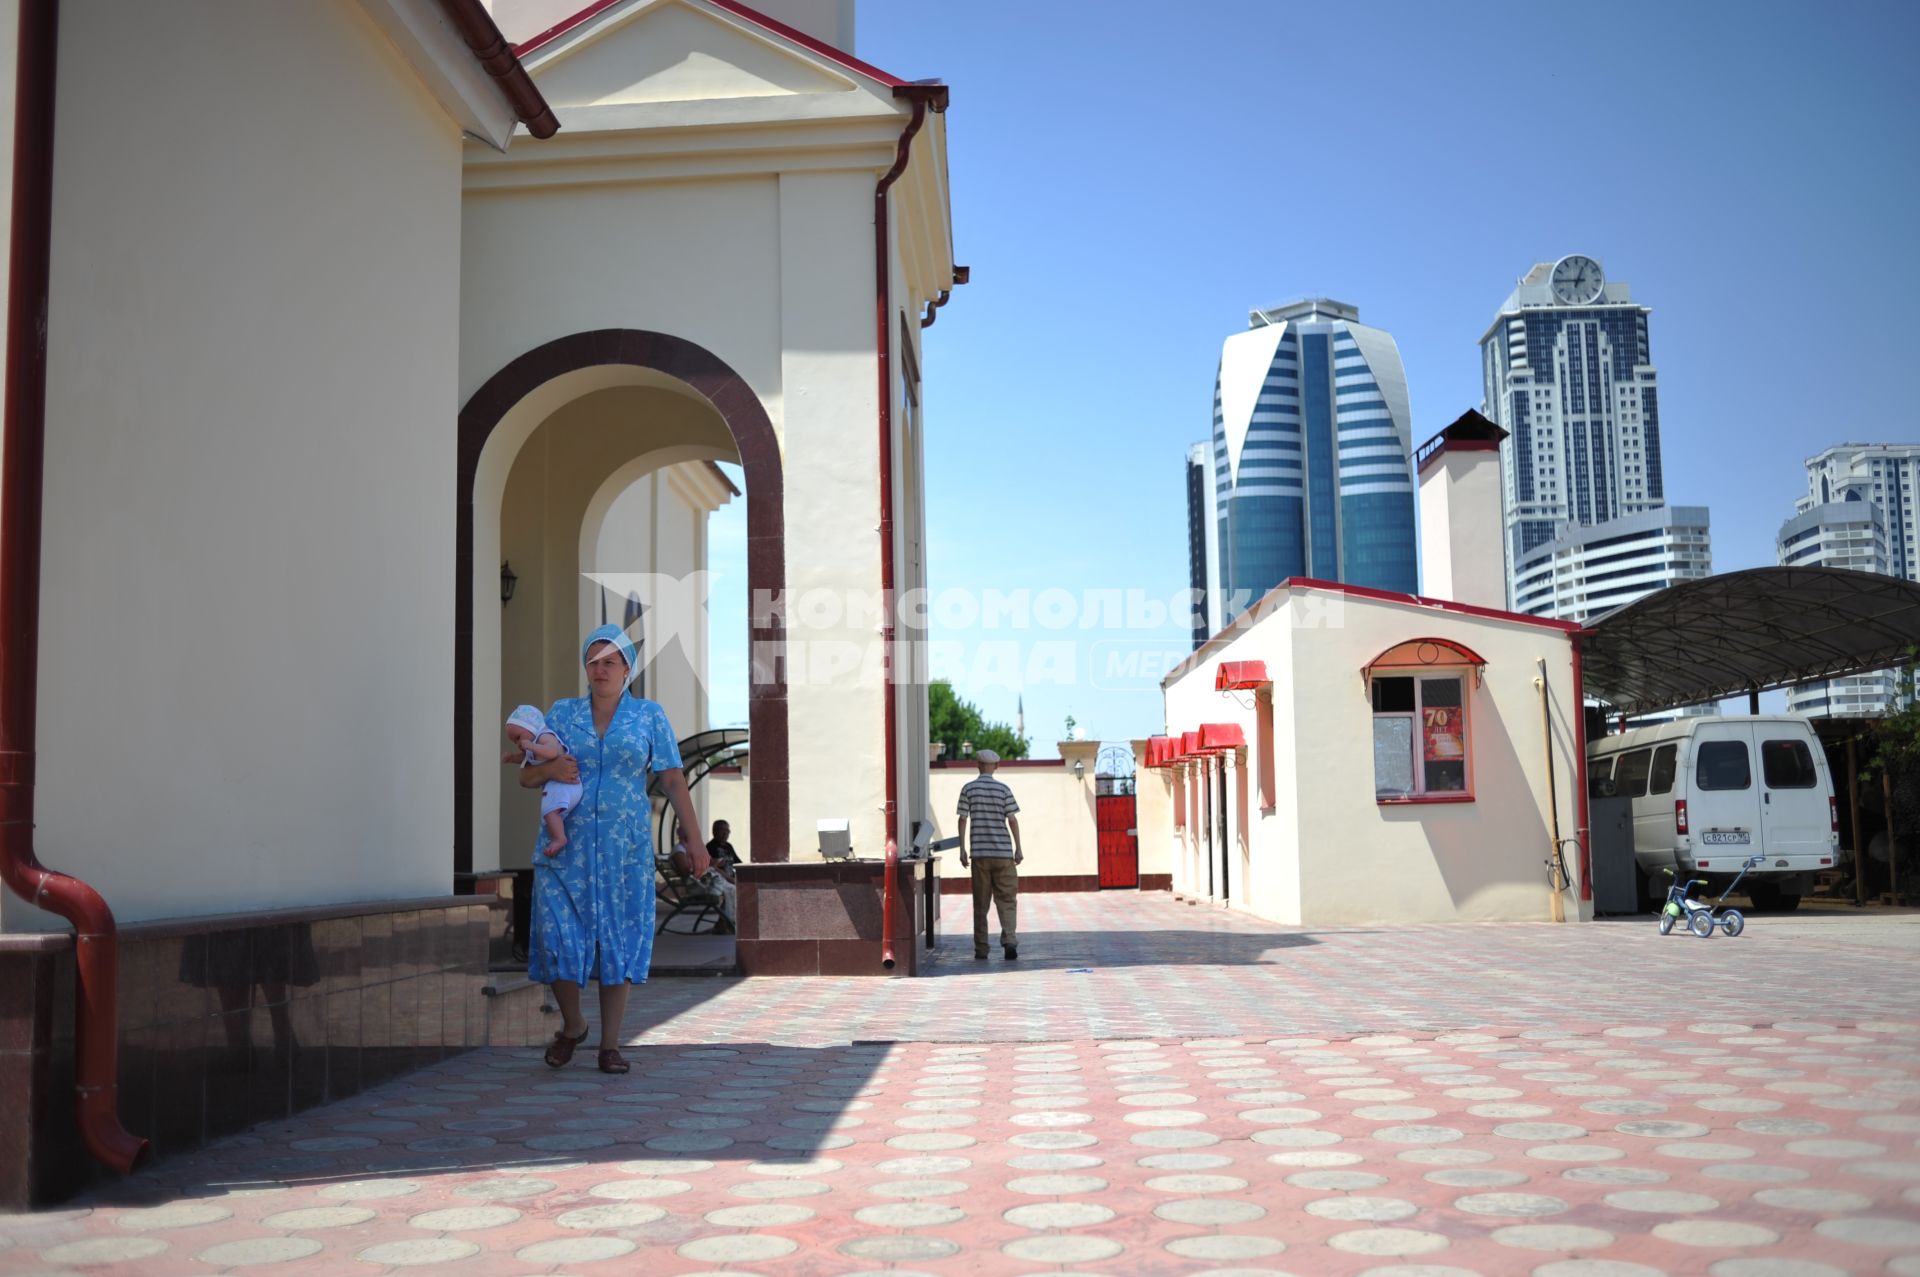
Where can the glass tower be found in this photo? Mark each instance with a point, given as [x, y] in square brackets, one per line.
[1311, 436]
[1568, 374]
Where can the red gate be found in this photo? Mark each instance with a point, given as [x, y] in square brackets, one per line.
[1119, 847]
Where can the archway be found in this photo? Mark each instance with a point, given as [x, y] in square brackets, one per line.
[499, 417]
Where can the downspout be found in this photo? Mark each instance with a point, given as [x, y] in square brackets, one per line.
[1580, 773]
[22, 479]
[1557, 911]
[923, 97]
[961, 274]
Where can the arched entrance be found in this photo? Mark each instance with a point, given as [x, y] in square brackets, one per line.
[500, 416]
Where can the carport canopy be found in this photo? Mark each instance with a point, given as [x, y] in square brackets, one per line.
[1750, 631]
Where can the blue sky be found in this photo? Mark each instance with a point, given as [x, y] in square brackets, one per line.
[1126, 189]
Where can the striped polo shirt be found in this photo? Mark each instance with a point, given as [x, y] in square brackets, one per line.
[985, 804]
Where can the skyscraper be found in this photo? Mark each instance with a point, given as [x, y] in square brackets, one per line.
[1203, 568]
[1858, 513]
[1311, 436]
[1568, 374]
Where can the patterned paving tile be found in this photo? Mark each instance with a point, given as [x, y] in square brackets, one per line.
[1209, 1096]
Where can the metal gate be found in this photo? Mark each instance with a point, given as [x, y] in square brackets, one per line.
[1119, 846]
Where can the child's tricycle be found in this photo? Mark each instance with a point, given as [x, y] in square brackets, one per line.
[1701, 916]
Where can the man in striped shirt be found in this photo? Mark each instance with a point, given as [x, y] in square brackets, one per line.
[988, 807]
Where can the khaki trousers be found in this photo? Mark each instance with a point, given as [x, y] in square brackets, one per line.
[996, 880]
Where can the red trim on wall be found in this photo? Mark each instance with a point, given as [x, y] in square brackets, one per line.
[1417, 600]
[1580, 760]
[738, 10]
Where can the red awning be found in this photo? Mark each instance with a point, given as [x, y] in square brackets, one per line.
[1422, 653]
[1240, 675]
[1219, 736]
[1156, 751]
[1189, 745]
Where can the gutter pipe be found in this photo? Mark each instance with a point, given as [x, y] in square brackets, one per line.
[888, 890]
[22, 486]
[1580, 778]
[924, 97]
[961, 274]
[496, 57]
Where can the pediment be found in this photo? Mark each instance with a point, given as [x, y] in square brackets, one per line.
[676, 51]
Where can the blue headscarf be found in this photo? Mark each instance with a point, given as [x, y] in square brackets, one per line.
[618, 637]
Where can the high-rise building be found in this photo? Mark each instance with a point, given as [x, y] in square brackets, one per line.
[1858, 513]
[1311, 436]
[1883, 475]
[1568, 375]
[1203, 566]
[1587, 572]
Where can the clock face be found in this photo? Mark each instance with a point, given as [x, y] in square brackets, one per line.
[1577, 280]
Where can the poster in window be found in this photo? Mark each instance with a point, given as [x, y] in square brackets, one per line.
[1442, 732]
[1392, 756]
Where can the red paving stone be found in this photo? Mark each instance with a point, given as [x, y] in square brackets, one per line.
[1212, 1096]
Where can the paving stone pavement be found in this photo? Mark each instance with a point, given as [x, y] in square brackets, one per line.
[1153, 1088]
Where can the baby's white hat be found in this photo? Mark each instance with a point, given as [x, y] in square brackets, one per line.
[529, 717]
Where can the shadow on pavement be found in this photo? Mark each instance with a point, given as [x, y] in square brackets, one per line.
[1069, 950]
[495, 1112]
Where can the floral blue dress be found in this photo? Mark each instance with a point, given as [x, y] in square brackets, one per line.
[593, 911]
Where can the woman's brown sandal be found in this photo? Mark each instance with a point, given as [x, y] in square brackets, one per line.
[560, 1050]
[611, 1061]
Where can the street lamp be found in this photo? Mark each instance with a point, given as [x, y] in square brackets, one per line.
[966, 749]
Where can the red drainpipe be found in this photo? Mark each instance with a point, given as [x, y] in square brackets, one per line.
[96, 945]
[1580, 776]
[923, 97]
[888, 890]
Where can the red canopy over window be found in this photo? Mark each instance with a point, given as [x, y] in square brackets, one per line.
[1219, 736]
[1240, 675]
[1424, 653]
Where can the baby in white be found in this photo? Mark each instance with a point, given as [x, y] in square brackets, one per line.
[535, 742]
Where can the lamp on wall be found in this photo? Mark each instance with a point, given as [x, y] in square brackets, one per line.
[507, 581]
[1079, 768]
[966, 749]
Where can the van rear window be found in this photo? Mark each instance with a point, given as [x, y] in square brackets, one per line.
[1723, 764]
[1787, 764]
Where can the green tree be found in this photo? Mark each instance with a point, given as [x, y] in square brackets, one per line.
[952, 719]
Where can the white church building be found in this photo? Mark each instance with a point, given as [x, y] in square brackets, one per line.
[331, 325]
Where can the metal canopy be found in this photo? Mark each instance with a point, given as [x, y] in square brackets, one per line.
[1750, 631]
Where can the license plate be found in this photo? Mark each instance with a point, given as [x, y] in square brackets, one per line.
[1726, 837]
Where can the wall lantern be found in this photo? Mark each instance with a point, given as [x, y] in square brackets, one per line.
[1079, 768]
[507, 581]
[966, 749]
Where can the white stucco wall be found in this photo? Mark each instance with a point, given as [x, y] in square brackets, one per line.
[715, 182]
[775, 277]
[1462, 538]
[244, 695]
[1342, 857]
[1058, 835]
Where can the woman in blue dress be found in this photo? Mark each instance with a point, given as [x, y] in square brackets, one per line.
[593, 910]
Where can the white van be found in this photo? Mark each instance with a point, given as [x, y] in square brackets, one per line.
[1702, 806]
